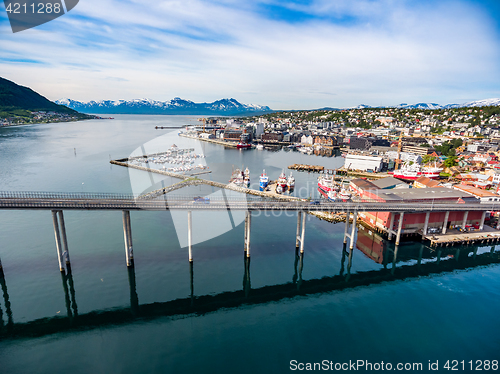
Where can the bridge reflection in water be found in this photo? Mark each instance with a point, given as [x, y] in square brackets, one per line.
[414, 261]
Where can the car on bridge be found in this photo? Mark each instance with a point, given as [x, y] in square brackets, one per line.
[202, 200]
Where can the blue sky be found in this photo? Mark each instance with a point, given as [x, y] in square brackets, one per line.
[286, 54]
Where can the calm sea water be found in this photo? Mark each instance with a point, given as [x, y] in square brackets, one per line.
[223, 315]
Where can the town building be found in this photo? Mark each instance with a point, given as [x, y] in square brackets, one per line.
[421, 221]
[363, 163]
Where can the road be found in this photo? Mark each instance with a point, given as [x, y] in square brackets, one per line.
[90, 201]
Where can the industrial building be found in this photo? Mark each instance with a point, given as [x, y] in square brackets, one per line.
[419, 221]
[360, 162]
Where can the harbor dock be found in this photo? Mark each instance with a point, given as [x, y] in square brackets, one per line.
[454, 237]
[308, 168]
[215, 141]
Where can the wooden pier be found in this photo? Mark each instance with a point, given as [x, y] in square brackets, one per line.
[215, 141]
[308, 168]
[453, 237]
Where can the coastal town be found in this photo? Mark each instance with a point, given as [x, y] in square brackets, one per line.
[390, 155]
[43, 117]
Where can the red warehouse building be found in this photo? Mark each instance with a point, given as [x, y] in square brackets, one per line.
[414, 222]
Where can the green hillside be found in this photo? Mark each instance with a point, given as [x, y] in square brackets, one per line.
[20, 101]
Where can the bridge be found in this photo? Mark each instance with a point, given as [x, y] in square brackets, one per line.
[113, 201]
[56, 202]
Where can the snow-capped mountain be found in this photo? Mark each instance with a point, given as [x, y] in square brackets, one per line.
[478, 103]
[486, 102]
[419, 106]
[174, 106]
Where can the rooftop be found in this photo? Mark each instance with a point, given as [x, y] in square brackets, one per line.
[388, 182]
[424, 194]
[475, 191]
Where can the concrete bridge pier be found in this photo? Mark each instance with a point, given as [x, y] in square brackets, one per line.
[346, 229]
[464, 221]
[297, 236]
[301, 231]
[391, 226]
[353, 230]
[61, 240]
[190, 236]
[445, 223]
[127, 235]
[400, 226]
[481, 223]
[426, 223]
[248, 224]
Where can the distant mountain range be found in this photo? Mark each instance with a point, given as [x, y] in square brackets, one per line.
[19, 100]
[174, 106]
[478, 103]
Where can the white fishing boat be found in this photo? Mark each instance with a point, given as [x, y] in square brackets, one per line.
[246, 178]
[282, 180]
[263, 181]
[290, 182]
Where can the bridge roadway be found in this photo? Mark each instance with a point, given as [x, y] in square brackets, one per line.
[109, 201]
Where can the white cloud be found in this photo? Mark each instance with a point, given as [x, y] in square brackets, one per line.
[386, 52]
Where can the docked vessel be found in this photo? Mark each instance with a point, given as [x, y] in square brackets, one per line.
[242, 145]
[290, 182]
[326, 183]
[259, 147]
[344, 194]
[330, 195]
[416, 171]
[279, 189]
[237, 178]
[282, 180]
[263, 181]
[246, 178]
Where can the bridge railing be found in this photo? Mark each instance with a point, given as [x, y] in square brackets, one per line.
[112, 196]
[65, 195]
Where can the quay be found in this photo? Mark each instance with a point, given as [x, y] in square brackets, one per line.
[308, 168]
[337, 173]
[214, 141]
[453, 237]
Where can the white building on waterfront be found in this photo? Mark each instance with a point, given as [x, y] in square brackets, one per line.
[360, 162]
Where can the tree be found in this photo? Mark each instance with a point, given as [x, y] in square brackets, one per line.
[428, 158]
[450, 161]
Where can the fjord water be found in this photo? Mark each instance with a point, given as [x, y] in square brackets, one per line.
[241, 317]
